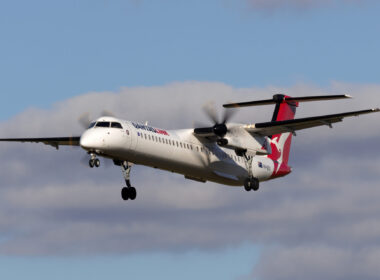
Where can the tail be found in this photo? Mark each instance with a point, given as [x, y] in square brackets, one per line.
[281, 143]
[285, 110]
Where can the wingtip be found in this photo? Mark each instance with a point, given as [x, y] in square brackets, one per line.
[348, 96]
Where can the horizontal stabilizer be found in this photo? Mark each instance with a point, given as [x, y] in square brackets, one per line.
[278, 127]
[279, 98]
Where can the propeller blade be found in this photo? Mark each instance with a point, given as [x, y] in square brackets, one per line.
[106, 113]
[84, 120]
[228, 114]
[210, 111]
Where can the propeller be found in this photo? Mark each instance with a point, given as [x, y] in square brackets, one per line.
[85, 119]
[219, 128]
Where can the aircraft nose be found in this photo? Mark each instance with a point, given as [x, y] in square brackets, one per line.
[86, 142]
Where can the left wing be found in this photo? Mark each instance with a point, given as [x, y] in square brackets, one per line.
[52, 141]
[278, 127]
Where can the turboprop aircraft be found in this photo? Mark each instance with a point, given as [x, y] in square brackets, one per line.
[226, 153]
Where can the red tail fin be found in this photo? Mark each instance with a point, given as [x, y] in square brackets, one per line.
[280, 143]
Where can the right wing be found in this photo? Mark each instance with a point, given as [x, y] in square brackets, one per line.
[52, 141]
[278, 127]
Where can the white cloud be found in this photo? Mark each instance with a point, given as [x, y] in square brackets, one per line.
[327, 208]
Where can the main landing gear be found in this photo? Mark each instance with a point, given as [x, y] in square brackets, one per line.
[251, 183]
[127, 192]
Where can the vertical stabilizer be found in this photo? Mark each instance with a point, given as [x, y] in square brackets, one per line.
[280, 143]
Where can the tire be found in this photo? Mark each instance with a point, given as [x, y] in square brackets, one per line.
[124, 193]
[132, 193]
[255, 184]
[91, 163]
[247, 185]
[97, 162]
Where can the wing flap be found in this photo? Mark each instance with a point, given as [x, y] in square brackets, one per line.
[278, 127]
[52, 141]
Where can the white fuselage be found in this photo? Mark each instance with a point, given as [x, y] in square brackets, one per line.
[178, 151]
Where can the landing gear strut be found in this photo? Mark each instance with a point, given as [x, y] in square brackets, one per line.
[251, 183]
[94, 161]
[127, 192]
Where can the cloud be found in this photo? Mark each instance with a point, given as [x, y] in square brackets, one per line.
[323, 216]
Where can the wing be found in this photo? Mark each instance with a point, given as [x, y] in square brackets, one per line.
[272, 128]
[52, 141]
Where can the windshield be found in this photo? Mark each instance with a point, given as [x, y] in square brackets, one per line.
[103, 124]
[92, 125]
[116, 125]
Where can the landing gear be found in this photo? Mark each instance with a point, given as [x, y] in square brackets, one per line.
[127, 192]
[94, 162]
[251, 184]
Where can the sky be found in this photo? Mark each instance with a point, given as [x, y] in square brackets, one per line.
[161, 61]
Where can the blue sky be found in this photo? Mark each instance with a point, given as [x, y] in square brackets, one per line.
[54, 50]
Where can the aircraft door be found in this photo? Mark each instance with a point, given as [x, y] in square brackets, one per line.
[130, 136]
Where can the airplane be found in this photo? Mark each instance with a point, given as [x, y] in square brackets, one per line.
[233, 154]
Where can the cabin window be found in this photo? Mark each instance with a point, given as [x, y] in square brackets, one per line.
[103, 124]
[116, 125]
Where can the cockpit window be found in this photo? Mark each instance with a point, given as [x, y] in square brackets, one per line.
[92, 125]
[116, 125]
[103, 124]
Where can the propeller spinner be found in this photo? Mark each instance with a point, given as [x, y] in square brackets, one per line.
[219, 128]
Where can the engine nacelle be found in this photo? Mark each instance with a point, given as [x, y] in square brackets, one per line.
[262, 168]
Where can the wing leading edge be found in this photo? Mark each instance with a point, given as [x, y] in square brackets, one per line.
[278, 127]
[52, 141]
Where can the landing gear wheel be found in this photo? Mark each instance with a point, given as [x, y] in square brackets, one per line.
[248, 184]
[255, 184]
[128, 193]
[91, 163]
[97, 162]
[251, 184]
[132, 193]
[125, 193]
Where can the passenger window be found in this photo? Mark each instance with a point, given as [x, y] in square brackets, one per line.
[103, 124]
[92, 125]
[116, 125]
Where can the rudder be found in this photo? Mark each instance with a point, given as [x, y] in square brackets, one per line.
[281, 143]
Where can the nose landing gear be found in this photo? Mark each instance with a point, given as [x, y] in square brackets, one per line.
[94, 162]
[127, 192]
